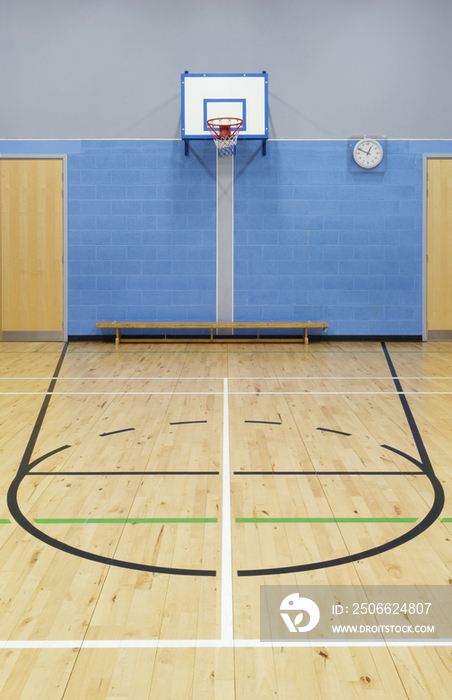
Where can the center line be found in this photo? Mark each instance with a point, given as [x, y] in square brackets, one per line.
[226, 556]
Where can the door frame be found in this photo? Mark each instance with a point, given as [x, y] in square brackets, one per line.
[63, 157]
[426, 157]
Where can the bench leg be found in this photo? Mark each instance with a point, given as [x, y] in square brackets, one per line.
[306, 340]
[211, 335]
[118, 336]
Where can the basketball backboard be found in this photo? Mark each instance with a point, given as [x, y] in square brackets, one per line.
[208, 95]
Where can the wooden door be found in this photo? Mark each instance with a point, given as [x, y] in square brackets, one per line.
[439, 249]
[31, 224]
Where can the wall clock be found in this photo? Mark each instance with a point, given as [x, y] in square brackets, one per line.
[368, 153]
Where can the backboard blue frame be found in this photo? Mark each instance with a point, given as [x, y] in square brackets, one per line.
[251, 95]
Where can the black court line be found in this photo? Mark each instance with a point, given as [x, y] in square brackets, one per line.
[188, 422]
[115, 432]
[121, 473]
[338, 432]
[267, 422]
[426, 468]
[25, 468]
[399, 473]
[403, 454]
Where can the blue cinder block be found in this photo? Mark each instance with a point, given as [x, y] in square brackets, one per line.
[81, 192]
[399, 252]
[113, 312]
[399, 222]
[309, 223]
[111, 192]
[141, 192]
[109, 162]
[111, 222]
[369, 282]
[126, 267]
[338, 282]
[248, 313]
[142, 162]
[81, 223]
[288, 268]
[186, 298]
[95, 207]
[353, 267]
[113, 252]
[132, 298]
[205, 252]
[97, 238]
[204, 283]
[141, 223]
[309, 282]
[95, 177]
[369, 312]
[398, 282]
[262, 238]
[125, 207]
[111, 282]
[278, 312]
[142, 312]
[96, 146]
[383, 267]
[127, 177]
[82, 252]
[336, 252]
[74, 208]
[141, 252]
[323, 267]
[95, 297]
[156, 298]
[156, 177]
[171, 313]
[276, 252]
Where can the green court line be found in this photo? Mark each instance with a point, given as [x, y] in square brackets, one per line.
[446, 520]
[325, 520]
[5, 521]
[102, 521]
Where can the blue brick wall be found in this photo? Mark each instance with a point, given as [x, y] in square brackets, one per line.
[313, 240]
[142, 233]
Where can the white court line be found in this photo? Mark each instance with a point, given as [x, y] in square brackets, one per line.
[111, 393]
[68, 379]
[220, 393]
[227, 626]
[299, 378]
[211, 643]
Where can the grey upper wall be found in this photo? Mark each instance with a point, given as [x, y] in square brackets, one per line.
[337, 68]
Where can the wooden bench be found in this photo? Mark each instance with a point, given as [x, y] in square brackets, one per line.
[165, 325]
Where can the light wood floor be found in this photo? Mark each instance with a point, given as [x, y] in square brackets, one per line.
[155, 456]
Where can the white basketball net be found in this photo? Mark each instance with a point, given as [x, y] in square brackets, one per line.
[226, 147]
[225, 142]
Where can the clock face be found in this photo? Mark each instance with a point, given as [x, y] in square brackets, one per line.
[368, 153]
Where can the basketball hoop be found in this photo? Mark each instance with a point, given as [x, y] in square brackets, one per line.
[225, 131]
